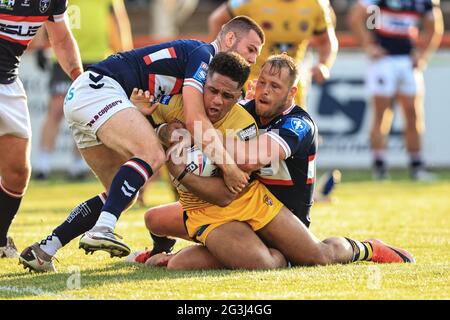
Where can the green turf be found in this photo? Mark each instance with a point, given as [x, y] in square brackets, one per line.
[414, 216]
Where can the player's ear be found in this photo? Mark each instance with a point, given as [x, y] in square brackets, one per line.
[230, 39]
[293, 91]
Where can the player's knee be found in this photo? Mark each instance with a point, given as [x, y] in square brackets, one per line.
[178, 264]
[17, 177]
[263, 261]
[151, 218]
[155, 157]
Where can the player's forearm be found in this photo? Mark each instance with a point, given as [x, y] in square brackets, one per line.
[122, 25]
[252, 155]
[207, 137]
[68, 54]
[357, 24]
[218, 18]
[327, 48]
[432, 34]
[210, 189]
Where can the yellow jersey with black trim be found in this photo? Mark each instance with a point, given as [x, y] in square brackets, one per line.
[237, 122]
[288, 25]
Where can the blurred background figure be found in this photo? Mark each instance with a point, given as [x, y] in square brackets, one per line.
[101, 28]
[289, 26]
[388, 31]
[167, 16]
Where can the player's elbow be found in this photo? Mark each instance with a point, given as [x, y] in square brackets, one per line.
[225, 199]
[249, 167]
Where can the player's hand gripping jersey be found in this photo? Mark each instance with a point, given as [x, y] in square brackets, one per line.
[288, 25]
[238, 121]
[293, 183]
[19, 22]
[163, 69]
[398, 23]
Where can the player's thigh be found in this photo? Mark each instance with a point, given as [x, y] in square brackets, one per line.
[55, 107]
[104, 162]
[129, 133]
[15, 162]
[236, 246]
[195, 257]
[167, 220]
[291, 237]
[381, 77]
[411, 80]
[382, 113]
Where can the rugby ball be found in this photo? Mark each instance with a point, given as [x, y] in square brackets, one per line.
[198, 163]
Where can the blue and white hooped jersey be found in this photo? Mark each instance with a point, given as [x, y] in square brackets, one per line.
[293, 181]
[396, 27]
[163, 69]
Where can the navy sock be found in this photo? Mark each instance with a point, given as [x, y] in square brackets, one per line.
[9, 205]
[131, 176]
[80, 220]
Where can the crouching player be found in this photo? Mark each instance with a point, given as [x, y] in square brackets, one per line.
[241, 234]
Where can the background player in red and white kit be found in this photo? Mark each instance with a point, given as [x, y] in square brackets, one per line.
[396, 69]
[19, 23]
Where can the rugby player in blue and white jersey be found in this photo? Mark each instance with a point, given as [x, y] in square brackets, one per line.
[19, 23]
[118, 142]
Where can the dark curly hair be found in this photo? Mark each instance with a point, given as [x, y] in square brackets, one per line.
[232, 65]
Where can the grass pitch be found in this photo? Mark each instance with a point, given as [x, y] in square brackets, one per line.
[415, 216]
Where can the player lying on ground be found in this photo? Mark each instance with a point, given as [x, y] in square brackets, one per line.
[241, 234]
[109, 130]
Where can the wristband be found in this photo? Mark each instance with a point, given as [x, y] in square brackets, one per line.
[183, 174]
[75, 73]
[180, 177]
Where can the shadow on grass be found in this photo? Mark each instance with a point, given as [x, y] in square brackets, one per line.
[24, 284]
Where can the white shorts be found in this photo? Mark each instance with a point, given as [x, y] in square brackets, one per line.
[91, 101]
[14, 115]
[394, 74]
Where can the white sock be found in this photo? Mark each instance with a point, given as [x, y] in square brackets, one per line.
[106, 219]
[51, 245]
[78, 166]
[43, 162]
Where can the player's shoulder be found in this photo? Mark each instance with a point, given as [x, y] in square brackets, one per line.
[240, 119]
[240, 113]
[238, 116]
[297, 121]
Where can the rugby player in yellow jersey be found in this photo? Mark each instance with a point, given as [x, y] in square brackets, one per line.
[240, 235]
[289, 25]
[100, 28]
[227, 74]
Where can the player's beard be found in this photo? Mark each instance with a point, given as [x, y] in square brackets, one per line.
[276, 110]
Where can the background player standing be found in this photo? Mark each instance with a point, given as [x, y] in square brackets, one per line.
[20, 21]
[396, 71]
